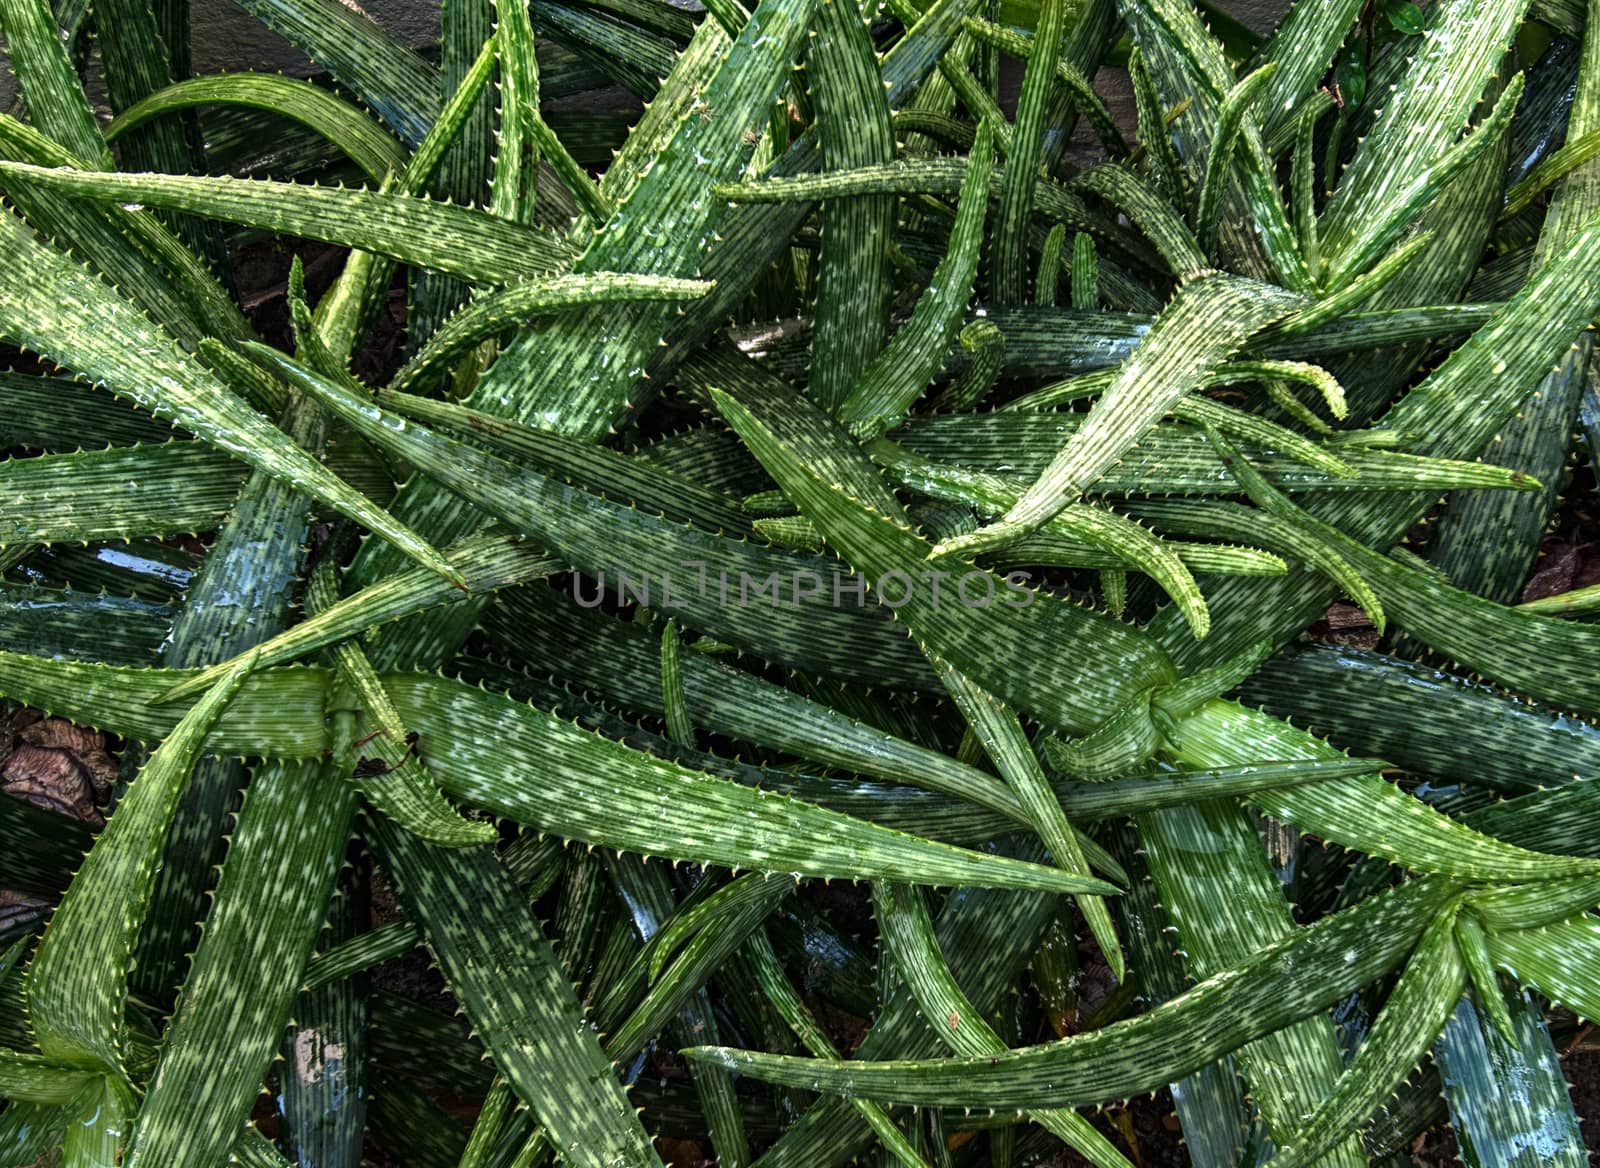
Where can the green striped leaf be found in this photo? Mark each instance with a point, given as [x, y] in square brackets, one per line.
[77, 984]
[1207, 321]
[365, 142]
[290, 837]
[1299, 975]
[438, 237]
[58, 310]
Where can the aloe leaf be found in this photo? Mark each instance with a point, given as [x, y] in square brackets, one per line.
[1367, 812]
[32, 1078]
[489, 315]
[1206, 322]
[1048, 282]
[1509, 1103]
[1003, 739]
[291, 836]
[946, 817]
[886, 390]
[1321, 545]
[169, 489]
[1320, 379]
[1558, 960]
[1210, 1103]
[1303, 184]
[649, 895]
[1577, 602]
[361, 952]
[778, 990]
[133, 39]
[585, 191]
[635, 57]
[1380, 328]
[254, 1150]
[680, 727]
[985, 346]
[1220, 519]
[96, 1124]
[57, 414]
[1154, 136]
[487, 563]
[240, 594]
[400, 788]
[930, 176]
[655, 128]
[975, 97]
[797, 618]
[633, 479]
[616, 660]
[695, 915]
[488, 1125]
[390, 79]
[49, 82]
[323, 1081]
[437, 236]
[1538, 437]
[708, 818]
[518, 997]
[1577, 152]
[1506, 907]
[1204, 411]
[1085, 273]
[1473, 945]
[519, 106]
[1340, 301]
[1068, 75]
[1410, 1020]
[1163, 227]
[1302, 46]
[1379, 231]
[687, 972]
[1210, 414]
[49, 623]
[1177, 459]
[1009, 254]
[1235, 107]
[347, 127]
[123, 349]
[1420, 121]
[348, 307]
[466, 50]
[1225, 904]
[706, 814]
[1215, 559]
[663, 225]
[854, 129]
[908, 934]
[1085, 522]
[77, 983]
[100, 235]
[1294, 977]
[969, 638]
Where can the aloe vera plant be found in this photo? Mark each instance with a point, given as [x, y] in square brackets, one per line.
[523, 577]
